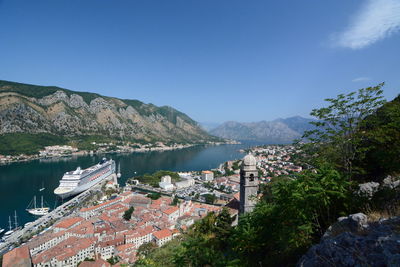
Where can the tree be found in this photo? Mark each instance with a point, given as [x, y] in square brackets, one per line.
[146, 248]
[209, 198]
[154, 196]
[128, 213]
[336, 136]
[205, 242]
[381, 142]
[175, 201]
[113, 260]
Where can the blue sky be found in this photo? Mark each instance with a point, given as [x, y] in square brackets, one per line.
[215, 60]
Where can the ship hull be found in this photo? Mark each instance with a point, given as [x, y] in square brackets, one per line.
[39, 212]
[81, 188]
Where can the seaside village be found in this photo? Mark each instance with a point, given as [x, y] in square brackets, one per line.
[67, 150]
[102, 232]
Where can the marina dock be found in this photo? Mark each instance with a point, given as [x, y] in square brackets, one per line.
[61, 211]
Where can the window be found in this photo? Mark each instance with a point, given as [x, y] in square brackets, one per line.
[251, 177]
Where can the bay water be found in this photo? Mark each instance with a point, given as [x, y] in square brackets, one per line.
[21, 181]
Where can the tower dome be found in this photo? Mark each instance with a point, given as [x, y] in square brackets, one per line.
[249, 160]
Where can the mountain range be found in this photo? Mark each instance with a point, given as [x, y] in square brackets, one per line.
[279, 131]
[32, 109]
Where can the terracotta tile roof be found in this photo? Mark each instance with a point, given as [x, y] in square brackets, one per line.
[162, 234]
[125, 247]
[110, 202]
[64, 250]
[171, 210]
[139, 232]
[85, 228]
[17, 257]
[97, 263]
[67, 223]
[206, 172]
[114, 242]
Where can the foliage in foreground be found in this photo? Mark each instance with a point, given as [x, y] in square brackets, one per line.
[292, 216]
[352, 139]
[381, 142]
[337, 137]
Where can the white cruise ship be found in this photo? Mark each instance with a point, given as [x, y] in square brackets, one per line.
[75, 182]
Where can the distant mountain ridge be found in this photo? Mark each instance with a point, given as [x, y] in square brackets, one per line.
[33, 109]
[279, 131]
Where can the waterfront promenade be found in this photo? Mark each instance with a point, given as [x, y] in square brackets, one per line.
[61, 211]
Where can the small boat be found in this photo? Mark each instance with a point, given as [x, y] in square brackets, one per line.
[35, 210]
[9, 232]
[41, 189]
[6, 234]
[119, 170]
[1, 230]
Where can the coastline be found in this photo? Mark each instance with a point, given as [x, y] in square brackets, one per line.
[9, 159]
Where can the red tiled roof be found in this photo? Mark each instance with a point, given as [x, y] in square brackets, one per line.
[110, 202]
[67, 223]
[64, 250]
[97, 263]
[162, 234]
[17, 257]
[171, 210]
[125, 247]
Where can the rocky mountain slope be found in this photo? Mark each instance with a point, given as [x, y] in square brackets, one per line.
[26, 108]
[277, 131]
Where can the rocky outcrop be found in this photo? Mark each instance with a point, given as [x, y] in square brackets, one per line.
[391, 182]
[353, 241]
[367, 190]
[37, 109]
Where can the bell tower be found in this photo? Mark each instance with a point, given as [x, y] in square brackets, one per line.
[248, 184]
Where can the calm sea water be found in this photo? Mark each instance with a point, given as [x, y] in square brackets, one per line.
[20, 182]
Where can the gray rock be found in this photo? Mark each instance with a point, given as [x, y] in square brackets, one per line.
[54, 98]
[353, 223]
[76, 101]
[99, 104]
[378, 244]
[391, 182]
[368, 189]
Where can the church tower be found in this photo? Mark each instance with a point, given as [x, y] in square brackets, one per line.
[248, 184]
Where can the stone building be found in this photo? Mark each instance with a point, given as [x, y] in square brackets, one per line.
[207, 175]
[248, 184]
